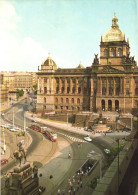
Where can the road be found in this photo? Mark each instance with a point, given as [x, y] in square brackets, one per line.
[48, 155]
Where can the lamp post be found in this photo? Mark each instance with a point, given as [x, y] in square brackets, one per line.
[67, 120]
[131, 123]
[4, 145]
[13, 117]
[118, 163]
[24, 123]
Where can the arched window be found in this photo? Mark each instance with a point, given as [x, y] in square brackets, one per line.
[103, 105]
[78, 101]
[79, 89]
[106, 53]
[67, 100]
[56, 100]
[61, 100]
[44, 100]
[45, 89]
[120, 52]
[72, 100]
[84, 100]
[112, 52]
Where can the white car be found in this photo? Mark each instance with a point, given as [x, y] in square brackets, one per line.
[107, 151]
[6, 125]
[87, 139]
[14, 130]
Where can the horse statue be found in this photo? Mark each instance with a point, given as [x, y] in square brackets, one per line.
[20, 153]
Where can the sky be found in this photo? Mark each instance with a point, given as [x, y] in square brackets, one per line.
[69, 29]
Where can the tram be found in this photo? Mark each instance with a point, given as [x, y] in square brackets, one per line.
[45, 130]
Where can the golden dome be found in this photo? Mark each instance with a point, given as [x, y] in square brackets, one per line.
[80, 66]
[114, 34]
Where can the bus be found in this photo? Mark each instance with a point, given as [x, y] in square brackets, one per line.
[45, 130]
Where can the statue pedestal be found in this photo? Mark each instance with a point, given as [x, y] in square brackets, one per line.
[23, 180]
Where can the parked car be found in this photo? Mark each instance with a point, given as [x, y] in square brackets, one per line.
[13, 129]
[6, 125]
[107, 151]
[3, 161]
[33, 121]
[21, 133]
[87, 138]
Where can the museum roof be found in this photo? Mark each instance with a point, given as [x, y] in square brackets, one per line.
[114, 34]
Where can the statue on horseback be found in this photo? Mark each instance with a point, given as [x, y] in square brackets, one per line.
[20, 153]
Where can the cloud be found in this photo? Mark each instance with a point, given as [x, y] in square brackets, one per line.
[8, 16]
[16, 54]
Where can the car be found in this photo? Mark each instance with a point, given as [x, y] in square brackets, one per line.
[13, 129]
[107, 151]
[3, 161]
[2, 114]
[87, 138]
[33, 121]
[21, 133]
[6, 125]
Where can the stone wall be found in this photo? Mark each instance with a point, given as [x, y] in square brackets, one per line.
[109, 183]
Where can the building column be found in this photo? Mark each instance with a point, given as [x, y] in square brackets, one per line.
[91, 87]
[114, 86]
[107, 87]
[65, 87]
[70, 86]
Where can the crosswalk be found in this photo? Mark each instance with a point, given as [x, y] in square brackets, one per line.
[75, 139]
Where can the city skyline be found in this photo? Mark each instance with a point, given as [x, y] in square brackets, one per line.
[70, 30]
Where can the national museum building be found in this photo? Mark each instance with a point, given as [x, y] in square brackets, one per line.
[110, 84]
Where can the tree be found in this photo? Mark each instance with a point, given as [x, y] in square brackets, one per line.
[20, 93]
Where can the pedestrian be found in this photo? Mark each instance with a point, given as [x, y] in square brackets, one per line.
[78, 181]
[69, 192]
[63, 192]
[81, 184]
[59, 192]
[69, 155]
[73, 180]
[82, 173]
[77, 187]
[74, 191]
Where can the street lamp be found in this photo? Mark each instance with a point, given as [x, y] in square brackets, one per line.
[13, 117]
[118, 162]
[4, 145]
[24, 123]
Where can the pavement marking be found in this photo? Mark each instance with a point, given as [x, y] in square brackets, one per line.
[73, 138]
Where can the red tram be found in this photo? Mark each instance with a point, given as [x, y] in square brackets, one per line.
[45, 130]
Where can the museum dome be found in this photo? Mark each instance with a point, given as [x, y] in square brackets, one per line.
[49, 62]
[80, 66]
[114, 34]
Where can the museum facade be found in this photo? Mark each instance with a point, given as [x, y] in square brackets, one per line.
[110, 84]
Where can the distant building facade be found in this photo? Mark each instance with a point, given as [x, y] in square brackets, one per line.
[110, 84]
[3, 91]
[19, 80]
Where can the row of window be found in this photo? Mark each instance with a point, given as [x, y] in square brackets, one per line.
[79, 90]
[113, 52]
[67, 101]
